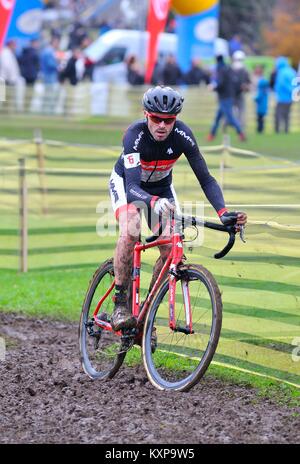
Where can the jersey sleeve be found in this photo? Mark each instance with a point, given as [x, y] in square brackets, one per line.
[207, 182]
[132, 169]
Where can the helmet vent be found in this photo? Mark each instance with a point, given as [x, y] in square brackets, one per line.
[165, 101]
[157, 101]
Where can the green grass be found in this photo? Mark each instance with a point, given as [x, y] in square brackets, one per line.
[97, 131]
[259, 280]
[102, 131]
[57, 294]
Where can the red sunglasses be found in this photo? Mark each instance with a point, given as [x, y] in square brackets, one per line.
[157, 120]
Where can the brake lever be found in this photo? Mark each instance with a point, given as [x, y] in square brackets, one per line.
[242, 233]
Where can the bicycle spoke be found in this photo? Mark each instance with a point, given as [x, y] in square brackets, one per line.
[178, 355]
[100, 349]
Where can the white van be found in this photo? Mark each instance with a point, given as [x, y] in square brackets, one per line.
[110, 50]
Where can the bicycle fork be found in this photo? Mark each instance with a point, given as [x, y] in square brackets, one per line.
[173, 275]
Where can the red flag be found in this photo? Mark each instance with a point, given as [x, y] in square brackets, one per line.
[6, 9]
[157, 17]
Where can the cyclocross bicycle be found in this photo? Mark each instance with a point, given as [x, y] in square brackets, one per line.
[178, 324]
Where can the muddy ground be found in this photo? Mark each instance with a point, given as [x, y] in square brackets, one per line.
[46, 398]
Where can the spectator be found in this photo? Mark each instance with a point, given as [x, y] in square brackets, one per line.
[104, 27]
[10, 72]
[49, 4]
[196, 74]
[223, 85]
[157, 76]
[171, 25]
[49, 62]
[242, 84]
[29, 62]
[134, 72]
[71, 70]
[77, 35]
[9, 66]
[283, 88]
[261, 98]
[88, 64]
[171, 73]
[235, 44]
[272, 79]
[50, 72]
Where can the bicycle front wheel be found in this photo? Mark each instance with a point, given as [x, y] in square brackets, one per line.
[101, 353]
[180, 359]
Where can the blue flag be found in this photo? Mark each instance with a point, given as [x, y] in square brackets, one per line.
[196, 36]
[26, 21]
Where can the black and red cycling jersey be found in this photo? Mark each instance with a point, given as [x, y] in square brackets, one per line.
[146, 164]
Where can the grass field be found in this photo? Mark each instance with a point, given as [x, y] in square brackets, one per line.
[260, 280]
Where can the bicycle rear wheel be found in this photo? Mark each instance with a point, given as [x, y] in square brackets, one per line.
[101, 353]
[181, 359]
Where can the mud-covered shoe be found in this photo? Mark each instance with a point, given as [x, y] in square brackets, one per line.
[122, 318]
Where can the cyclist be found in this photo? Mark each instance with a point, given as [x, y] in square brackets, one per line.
[143, 173]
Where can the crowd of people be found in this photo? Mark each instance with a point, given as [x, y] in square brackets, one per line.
[51, 65]
[48, 63]
[168, 72]
[45, 65]
[231, 82]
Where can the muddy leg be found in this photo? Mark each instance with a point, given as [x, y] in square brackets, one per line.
[129, 233]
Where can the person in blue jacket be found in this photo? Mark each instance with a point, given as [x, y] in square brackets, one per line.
[49, 75]
[261, 98]
[49, 62]
[284, 85]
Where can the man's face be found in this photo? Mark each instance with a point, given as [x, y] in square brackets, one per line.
[160, 125]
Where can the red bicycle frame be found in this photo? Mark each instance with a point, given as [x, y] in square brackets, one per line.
[171, 263]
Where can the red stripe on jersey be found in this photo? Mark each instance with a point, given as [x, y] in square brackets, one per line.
[159, 162]
[160, 165]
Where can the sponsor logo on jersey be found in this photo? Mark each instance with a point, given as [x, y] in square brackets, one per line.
[113, 190]
[137, 141]
[187, 137]
[138, 194]
[170, 151]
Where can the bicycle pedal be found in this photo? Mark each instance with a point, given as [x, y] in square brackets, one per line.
[127, 342]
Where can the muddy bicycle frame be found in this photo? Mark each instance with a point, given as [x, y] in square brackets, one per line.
[178, 223]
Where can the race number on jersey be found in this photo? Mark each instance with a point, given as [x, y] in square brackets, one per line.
[132, 160]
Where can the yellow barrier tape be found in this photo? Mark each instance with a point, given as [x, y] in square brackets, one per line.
[243, 152]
